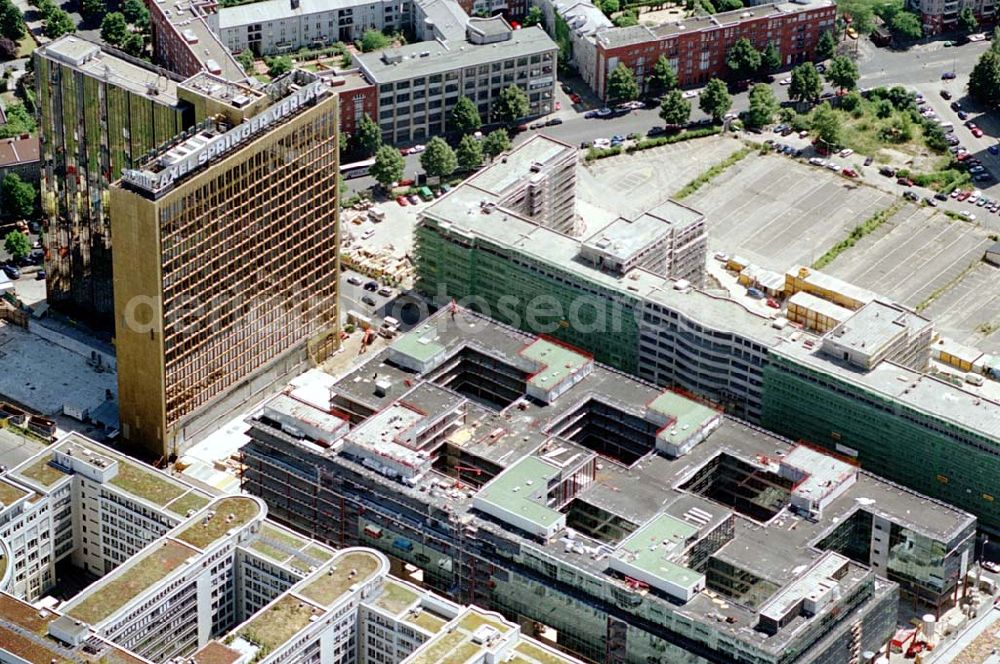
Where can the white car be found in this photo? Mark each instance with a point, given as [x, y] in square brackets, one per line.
[368, 233]
[721, 256]
[602, 143]
[417, 149]
[688, 94]
[967, 215]
[846, 152]
[785, 81]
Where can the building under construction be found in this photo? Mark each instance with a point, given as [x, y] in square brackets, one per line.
[617, 520]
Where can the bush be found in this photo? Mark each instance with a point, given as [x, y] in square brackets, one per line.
[602, 153]
[649, 143]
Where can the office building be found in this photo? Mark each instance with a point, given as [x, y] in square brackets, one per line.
[226, 277]
[939, 16]
[419, 84]
[100, 112]
[520, 475]
[710, 344]
[186, 574]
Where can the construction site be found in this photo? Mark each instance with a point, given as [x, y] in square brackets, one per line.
[610, 518]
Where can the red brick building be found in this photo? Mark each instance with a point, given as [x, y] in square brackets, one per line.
[357, 98]
[697, 47]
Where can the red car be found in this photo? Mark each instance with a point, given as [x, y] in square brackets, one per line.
[977, 132]
[963, 195]
[402, 201]
[575, 98]
[850, 172]
[961, 156]
[906, 182]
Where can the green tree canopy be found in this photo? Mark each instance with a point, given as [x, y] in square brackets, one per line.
[743, 59]
[93, 8]
[664, 78]
[806, 84]
[842, 73]
[373, 40]
[763, 105]
[114, 29]
[247, 61]
[11, 21]
[675, 109]
[469, 153]
[465, 116]
[770, 57]
[134, 44]
[511, 105]
[826, 46]
[19, 197]
[278, 65]
[621, 84]
[984, 81]
[496, 142]
[715, 100]
[826, 123]
[907, 25]
[367, 135]
[388, 166]
[136, 13]
[533, 17]
[438, 159]
[728, 5]
[8, 48]
[17, 244]
[967, 19]
[609, 7]
[58, 23]
[19, 121]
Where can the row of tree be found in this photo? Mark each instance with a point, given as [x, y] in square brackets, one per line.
[18, 199]
[56, 22]
[984, 81]
[12, 28]
[128, 29]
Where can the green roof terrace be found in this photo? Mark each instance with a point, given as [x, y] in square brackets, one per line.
[41, 471]
[418, 349]
[192, 500]
[220, 517]
[276, 623]
[9, 493]
[345, 571]
[457, 645]
[111, 593]
[146, 483]
[395, 598]
[518, 497]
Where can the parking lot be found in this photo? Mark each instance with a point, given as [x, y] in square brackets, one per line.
[777, 212]
[969, 311]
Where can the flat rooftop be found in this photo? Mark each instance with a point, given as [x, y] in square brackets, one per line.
[466, 638]
[521, 490]
[557, 363]
[277, 10]
[654, 548]
[347, 570]
[406, 62]
[820, 306]
[109, 594]
[875, 325]
[538, 149]
[829, 283]
[217, 520]
[87, 57]
[191, 28]
[271, 627]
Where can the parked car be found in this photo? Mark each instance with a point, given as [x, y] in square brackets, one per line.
[962, 115]
[947, 76]
[603, 112]
[385, 291]
[416, 149]
[11, 271]
[868, 160]
[968, 215]
[785, 81]
[850, 172]
[946, 94]
[553, 122]
[993, 149]
[575, 98]
[846, 152]
[955, 106]
[930, 201]
[688, 94]
[977, 132]
[656, 131]
[402, 201]
[371, 286]
[413, 198]
[536, 125]
[368, 233]
[940, 196]
[906, 182]
[369, 300]
[887, 171]
[354, 280]
[40, 275]
[911, 196]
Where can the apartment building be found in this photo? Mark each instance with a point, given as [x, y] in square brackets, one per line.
[100, 112]
[226, 280]
[939, 16]
[696, 46]
[19, 156]
[522, 476]
[186, 574]
[419, 84]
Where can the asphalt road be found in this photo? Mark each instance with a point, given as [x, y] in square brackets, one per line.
[877, 67]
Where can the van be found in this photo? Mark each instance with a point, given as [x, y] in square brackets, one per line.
[389, 327]
[974, 379]
[946, 126]
[376, 215]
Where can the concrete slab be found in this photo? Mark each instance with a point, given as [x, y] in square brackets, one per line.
[42, 376]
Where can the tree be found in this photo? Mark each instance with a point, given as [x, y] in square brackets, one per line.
[967, 19]
[826, 46]
[469, 153]
[621, 84]
[533, 17]
[715, 100]
[806, 84]
[136, 13]
[278, 65]
[826, 123]
[8, 49]
[58, 23]
[511, 105]
[367, 135]
[17, 244]
[984, 81]
[496, 142]
[907, 25]
[626, 19]
[11, 21]
[770, 57]
[93, 8]
[373, 40]
[763, 105]
[675, 109]
[842, 73]
[114, 29]
[728, 5]
[664, 78]
[134, 44]
[19, 121]
[388, 166]
[465, 116]
[610, 7]
[438, 159]
[883, 109]
[743, 59]
[19, 197]
[247, 61]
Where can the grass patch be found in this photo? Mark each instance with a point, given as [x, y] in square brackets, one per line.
[186, 503]
[145, 484]
[9, 493]
[318, 553]
[229, 513]
[428, 621]
[944, 181]
[474, 620]
[349, 569]
[395, 597]
[42, 472]
[279, 622]
[712, 173]
[859, 231]
[946, 287]
[538, 654]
